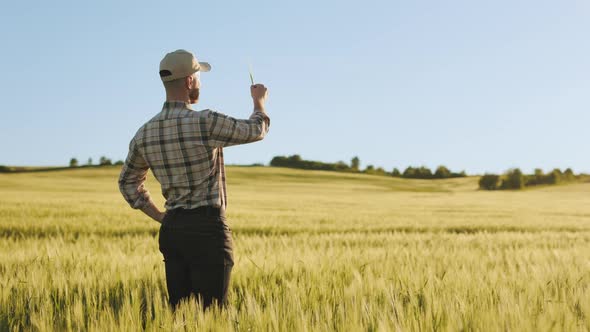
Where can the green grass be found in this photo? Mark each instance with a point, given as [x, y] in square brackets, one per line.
[314, 251]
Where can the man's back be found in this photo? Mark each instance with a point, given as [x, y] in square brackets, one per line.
[184, 149]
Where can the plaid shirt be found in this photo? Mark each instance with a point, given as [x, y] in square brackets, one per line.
[184, 149]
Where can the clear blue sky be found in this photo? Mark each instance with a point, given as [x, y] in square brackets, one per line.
[476, 85]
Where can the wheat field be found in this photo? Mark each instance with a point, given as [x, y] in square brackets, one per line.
[314, 251]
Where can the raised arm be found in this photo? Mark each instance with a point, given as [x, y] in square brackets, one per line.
[224, 130]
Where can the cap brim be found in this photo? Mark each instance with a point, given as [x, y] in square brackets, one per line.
[204, 66]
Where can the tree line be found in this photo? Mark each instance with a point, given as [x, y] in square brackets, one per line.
[515, 179]
[511, 179]
[422, 172]
[103, 161]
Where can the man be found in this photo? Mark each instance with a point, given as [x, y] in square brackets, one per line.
[184, 149]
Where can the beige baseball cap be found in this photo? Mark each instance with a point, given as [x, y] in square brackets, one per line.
[179, 64]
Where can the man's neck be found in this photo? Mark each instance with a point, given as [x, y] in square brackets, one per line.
[181, 98]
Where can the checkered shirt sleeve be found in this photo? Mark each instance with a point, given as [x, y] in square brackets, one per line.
[227, 131]
[132, 178]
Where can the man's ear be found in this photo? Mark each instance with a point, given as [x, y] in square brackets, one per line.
[188, 81]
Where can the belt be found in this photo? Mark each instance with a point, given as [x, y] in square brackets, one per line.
[206, 210]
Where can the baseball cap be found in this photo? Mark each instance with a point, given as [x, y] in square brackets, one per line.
[179, 64]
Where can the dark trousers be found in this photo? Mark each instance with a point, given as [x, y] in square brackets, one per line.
[197, 246]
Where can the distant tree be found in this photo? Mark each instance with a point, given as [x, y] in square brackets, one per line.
[380, 171]
[424, 173]
[341, 166]
[295, 158]
[410, 172]
[537, 178]
[421, 172]
[73, 162]
[370, 169]
[295, 161]
[442, 173]
[489, 182]
[279, 161]
[513, 179]
[104, 161]
[89, 163]
[569, 175]
[396, 172]
[119, 162]
[555, 176]
[355, 164]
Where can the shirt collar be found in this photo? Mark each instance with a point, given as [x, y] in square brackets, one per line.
[176, 104]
